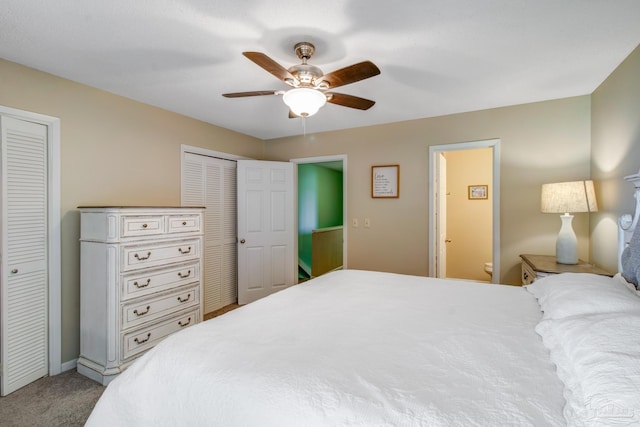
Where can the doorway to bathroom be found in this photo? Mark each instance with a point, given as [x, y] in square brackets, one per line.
[464, 214]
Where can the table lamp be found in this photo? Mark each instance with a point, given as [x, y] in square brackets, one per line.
[567, 198]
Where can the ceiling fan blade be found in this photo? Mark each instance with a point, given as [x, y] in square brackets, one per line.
[351, 74]
[254, 93]
[270, 65]
[349, 101]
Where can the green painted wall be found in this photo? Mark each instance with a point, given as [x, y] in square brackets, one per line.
[319, 203]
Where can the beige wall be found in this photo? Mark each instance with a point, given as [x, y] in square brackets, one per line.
[114, 151]
[540, 142]
[469, 222]
[615, 153]
[117, 151]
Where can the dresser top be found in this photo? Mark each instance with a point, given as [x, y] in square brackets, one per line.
[548, 264]
[141, 207]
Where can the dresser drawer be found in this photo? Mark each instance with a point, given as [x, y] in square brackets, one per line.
[184, 223]
[152, 255]
[150, 225]
[149, 282]
[140, 312]
[134, 343]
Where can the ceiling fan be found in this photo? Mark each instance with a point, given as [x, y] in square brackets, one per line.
[311, 88]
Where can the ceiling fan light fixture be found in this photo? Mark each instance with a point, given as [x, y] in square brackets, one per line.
[304, 102]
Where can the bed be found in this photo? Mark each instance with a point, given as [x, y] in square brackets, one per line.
[381, 349]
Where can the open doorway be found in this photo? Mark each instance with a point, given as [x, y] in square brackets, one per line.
[464, 214]
[321, 215]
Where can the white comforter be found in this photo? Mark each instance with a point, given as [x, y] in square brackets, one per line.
[350, 348]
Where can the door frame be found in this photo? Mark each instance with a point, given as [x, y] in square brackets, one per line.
[184, 148]
[494, 144]
[440, 208]
[54, 249]
[324, 159]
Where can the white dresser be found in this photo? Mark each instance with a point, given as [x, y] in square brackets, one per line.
[140, 281]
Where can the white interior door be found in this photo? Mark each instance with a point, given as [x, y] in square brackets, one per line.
[441, 216]
[265, 228]
[211, 182]
[24, 276]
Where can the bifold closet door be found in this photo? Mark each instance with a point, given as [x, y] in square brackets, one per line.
[211, 182]
[24, 253]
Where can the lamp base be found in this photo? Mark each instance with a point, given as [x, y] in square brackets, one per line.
[567, 242]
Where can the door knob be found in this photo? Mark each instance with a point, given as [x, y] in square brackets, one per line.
[242, 241]
[447, 241]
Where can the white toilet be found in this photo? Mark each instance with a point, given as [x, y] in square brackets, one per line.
[488, 268]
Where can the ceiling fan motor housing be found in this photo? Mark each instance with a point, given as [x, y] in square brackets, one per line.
[306, 74]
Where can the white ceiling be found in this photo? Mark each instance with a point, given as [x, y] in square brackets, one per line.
[436, 56]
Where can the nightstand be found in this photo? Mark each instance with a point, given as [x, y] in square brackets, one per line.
[536, 266]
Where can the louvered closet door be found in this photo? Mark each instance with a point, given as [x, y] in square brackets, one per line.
[211, 182]
[24, 253]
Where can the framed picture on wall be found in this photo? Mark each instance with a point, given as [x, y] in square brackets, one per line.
[478, 192]
[385, 181]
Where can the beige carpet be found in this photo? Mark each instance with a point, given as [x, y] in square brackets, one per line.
[218, 312]
[62, 400]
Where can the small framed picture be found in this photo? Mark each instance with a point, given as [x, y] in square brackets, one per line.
[478, 192]
[385, 181]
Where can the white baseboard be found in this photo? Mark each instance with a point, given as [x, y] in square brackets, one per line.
[304, 266]
[71, 364]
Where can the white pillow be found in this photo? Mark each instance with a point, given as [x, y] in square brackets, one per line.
[575, 294]
[619, 277]
[598, 359]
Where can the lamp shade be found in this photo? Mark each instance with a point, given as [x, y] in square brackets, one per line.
[304, 102]
[566, 197]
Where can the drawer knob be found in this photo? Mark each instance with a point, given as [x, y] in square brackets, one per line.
[14, 271]
[144, 285]
[184, 252]
[142, 258]
[144, 225]
[184, 276]
[182, 325]
[184, 222]
[141, 313]
[186, 299]
[144, 340]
